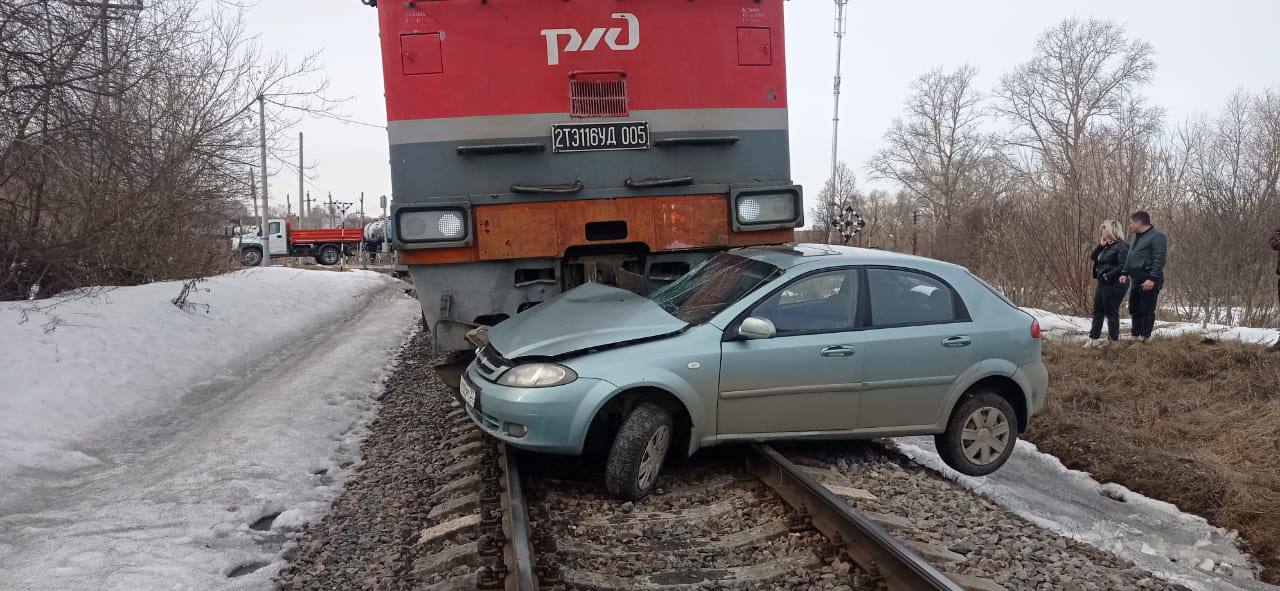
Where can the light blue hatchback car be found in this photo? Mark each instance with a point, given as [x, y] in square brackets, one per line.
[761, 343]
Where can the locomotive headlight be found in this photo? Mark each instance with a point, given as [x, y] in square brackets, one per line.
[450, 225]
[432, 225]
[766, 209]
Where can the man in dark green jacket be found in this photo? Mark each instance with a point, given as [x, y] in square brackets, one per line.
[1144, 273]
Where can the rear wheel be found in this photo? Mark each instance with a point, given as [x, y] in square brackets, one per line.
[638, 451]
[981, 434]
[250, 257]
[329, 255]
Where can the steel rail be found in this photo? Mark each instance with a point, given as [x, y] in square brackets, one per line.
[865, 542]
[515, 516]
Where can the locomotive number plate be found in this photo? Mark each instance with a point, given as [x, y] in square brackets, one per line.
[589, 137]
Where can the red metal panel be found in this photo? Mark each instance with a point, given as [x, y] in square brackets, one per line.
[754, 48]
[420, 54]
[513, 57]
[326, 235]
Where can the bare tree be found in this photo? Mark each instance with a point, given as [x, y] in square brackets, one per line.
[934, 151]
[1082, 75]
[1227, 202]
[124, 145]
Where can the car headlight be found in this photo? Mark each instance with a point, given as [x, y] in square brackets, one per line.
[537, 375]
[432, 225]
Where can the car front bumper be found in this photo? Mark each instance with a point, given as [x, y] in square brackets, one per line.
[556, 418]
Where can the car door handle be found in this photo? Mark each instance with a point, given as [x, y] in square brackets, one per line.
[837, 351]
[957, 342]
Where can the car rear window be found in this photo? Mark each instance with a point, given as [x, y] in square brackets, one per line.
[901, 297]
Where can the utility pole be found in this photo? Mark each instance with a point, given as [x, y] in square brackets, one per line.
[106, 12]
[262, 137]
[330, 210]
[386, 225]
[253, 193]
[915, 229]
[364, 262]
[302, 212]
[835, 119]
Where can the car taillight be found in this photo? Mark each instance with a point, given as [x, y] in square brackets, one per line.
[1035, 328]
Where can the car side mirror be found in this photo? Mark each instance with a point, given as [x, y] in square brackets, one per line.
[756, 328]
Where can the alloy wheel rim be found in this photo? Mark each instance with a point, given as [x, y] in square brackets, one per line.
[985, 435]
[654, 452]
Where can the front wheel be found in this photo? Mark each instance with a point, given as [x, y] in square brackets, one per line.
[638, 451]
[980, 436]
[250, 257]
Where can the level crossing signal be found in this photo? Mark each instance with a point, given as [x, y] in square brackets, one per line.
[847, 221]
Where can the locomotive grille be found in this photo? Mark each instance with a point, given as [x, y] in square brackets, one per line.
[598, 94]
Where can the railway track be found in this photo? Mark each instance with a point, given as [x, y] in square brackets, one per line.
[767, 523]
[722, 521]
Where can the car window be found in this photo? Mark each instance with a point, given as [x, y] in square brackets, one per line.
[275, 227]
[825, 302]
[905, 297]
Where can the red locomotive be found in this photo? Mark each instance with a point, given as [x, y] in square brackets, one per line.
[539, 144]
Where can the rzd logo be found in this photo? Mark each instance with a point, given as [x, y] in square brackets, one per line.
[610, 36]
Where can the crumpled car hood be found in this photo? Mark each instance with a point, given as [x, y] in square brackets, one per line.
[587, 316]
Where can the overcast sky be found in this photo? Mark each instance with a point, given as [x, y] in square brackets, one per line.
[1205, 51]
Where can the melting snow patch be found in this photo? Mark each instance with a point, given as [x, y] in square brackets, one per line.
[1153, 534]
[143, 446]
[1062, 326]
[291, 520]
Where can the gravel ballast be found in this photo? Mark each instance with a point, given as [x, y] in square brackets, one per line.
[996, 543]
[370, 537]
[709, 523]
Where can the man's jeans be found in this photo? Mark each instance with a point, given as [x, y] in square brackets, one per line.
[1142, 306]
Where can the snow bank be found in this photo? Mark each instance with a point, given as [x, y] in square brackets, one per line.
[73, 363]
[1058, 325]
[1155, 535]
[150, 447]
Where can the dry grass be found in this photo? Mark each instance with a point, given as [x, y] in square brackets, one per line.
[1189, 421]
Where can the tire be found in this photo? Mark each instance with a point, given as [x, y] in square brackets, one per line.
[251, 257]
[638, 451]
[989, 417]
[329, 255]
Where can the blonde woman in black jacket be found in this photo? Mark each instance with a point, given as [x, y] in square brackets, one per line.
[1108, 265]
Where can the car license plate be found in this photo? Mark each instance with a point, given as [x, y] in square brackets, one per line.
[589, 137]
[468, 393]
